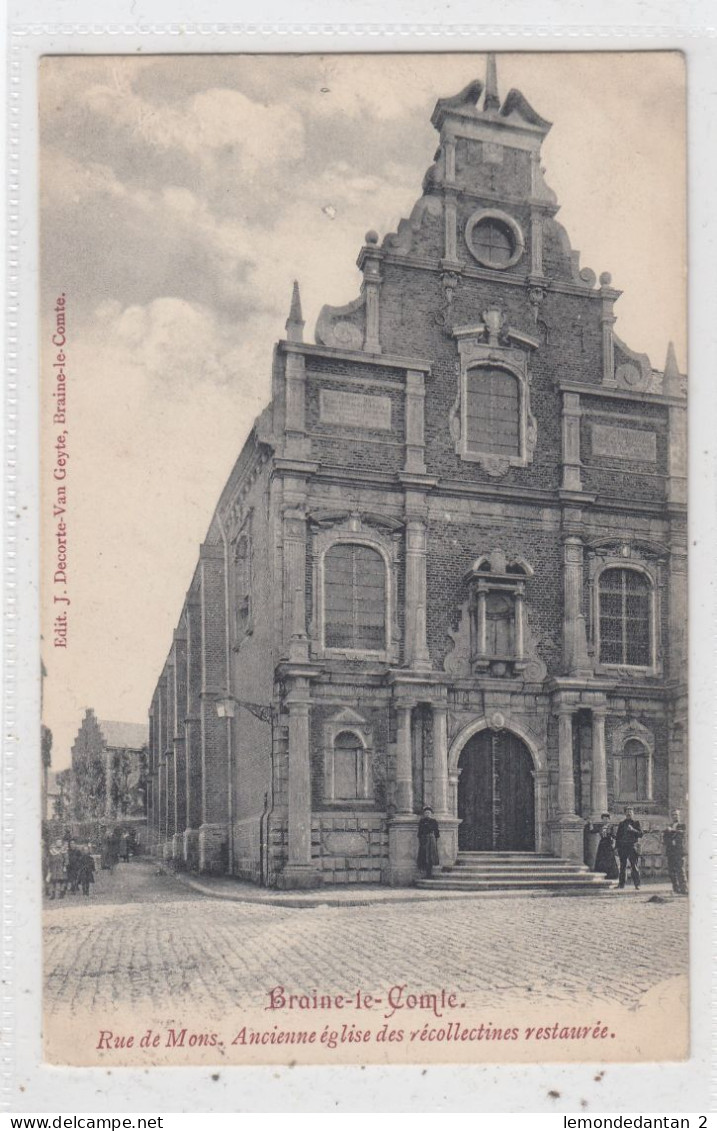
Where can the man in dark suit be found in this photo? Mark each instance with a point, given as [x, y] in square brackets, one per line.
[627, 840]
[673, 839]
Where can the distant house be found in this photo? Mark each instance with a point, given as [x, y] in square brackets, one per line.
[108, 769]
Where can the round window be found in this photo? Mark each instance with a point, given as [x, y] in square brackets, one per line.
[494, 239]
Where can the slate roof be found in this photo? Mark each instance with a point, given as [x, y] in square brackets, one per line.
[132, 736]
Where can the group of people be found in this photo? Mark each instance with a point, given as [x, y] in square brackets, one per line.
[68, 867]
[621, 844]
[618, 847]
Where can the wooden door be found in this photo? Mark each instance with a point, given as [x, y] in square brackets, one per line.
[496, 794]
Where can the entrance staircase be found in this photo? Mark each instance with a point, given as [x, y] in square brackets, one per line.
[517, 872]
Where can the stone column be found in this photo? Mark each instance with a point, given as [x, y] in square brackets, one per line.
[214, 831]
[572, 480]
[536, 244]
[575, 651]
[299, 871]
[598, 775]
[416, 645]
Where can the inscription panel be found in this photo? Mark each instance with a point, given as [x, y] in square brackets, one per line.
[623, 443]
[355, 410]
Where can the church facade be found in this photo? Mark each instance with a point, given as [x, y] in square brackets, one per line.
[449, 566]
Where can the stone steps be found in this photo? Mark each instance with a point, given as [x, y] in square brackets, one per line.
[516, 871]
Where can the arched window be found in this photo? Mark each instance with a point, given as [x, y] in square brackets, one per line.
[242, 585]
[625, 597]
[634, 771]
[349, 777]
[492, 412]
[354, 598]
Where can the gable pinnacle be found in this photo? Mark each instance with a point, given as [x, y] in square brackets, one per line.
[492, 99]
[295, 321]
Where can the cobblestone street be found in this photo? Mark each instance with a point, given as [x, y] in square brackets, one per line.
[144, 938]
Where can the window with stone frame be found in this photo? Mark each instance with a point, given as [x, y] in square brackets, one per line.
[349, 770]
[634, 771]
[625, 615]
[492, 411]
[354, 598]
[242, 585]
[500, 625]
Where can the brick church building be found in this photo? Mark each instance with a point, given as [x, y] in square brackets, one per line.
[449, 566]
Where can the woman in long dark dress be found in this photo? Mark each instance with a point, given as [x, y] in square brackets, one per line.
[605, 859]
[428, 834]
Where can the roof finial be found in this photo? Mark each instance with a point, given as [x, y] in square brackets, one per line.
[492, 100]
[672, 372]
[295, 321]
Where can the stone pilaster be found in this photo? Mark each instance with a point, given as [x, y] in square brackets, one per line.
[575, 652]
[416, 644]
[294, 584]
[566, 828]
[299, 871]
[607, 321]
[214, 832]
[571, 443]
[370, 264]
[415, 422]
[193, 733]
[179, 742]
[169, 755]
[441, 792]
[296, 442]
[404, 759]
[598, 774]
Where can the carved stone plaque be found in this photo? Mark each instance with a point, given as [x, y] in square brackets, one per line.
[623, 443]
[340, 843]
[354, 410]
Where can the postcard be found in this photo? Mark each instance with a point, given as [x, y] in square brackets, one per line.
[364, 558]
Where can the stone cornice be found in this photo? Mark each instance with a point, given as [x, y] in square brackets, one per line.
[387, 360]
[611, 393]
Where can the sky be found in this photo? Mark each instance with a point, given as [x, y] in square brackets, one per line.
[181, 195]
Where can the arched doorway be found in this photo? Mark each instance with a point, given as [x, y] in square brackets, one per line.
[496, 794]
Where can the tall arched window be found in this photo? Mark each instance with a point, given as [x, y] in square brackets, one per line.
[625, 598]
[500, 617]
[634, 771]
[348, 767]
[492, 412]
[354, 598]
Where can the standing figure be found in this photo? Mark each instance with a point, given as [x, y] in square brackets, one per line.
[124, 846]
[85, 870]
[57, 871]
[673, 839]
[428, 834]
[627, 840]
[605, 860]
[73, 860]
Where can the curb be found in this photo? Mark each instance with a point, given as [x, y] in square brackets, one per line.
[305, 902]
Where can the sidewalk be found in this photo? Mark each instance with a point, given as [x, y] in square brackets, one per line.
[240, 891]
